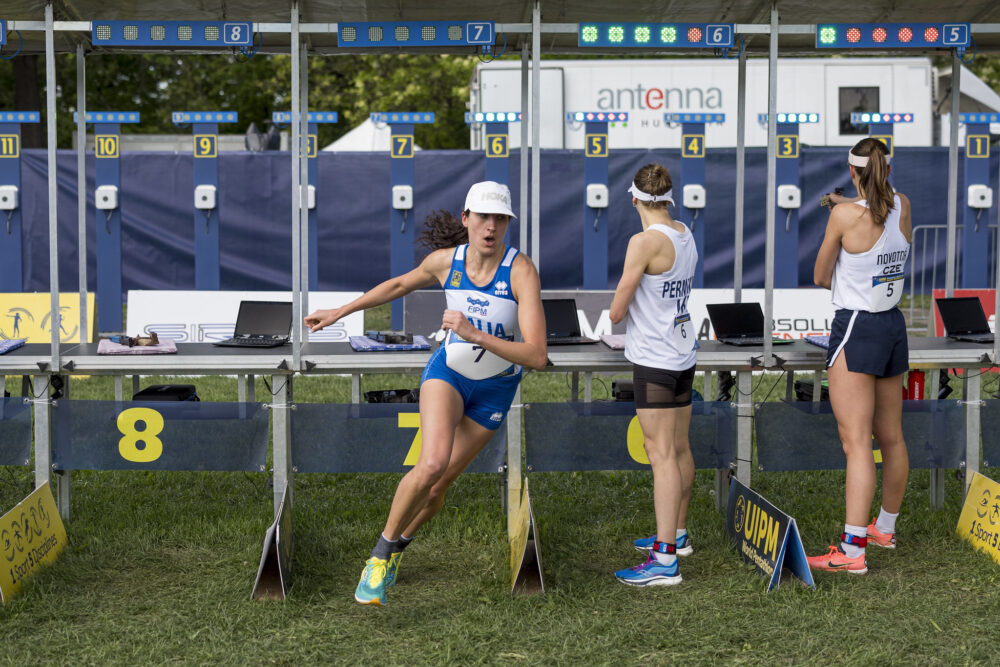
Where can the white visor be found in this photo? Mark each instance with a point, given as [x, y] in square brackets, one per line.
[645, 196]
[859, 161]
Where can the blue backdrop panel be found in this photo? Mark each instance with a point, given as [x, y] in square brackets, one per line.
[194, 436]
[594, 436]
[336, 438]
[803, 435]
[255, 191]
[990, 416]
[15, 432]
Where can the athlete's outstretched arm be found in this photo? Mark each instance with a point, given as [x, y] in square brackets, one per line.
[532, 352]
[431, 270]
[826, 258]
[637, 257]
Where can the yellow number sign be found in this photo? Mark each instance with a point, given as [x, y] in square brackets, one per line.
[31, 536]
[410, 420]
[205, 145]
[132, 435]
[401, 146]
[693, 145]
[10, 145]
[496, 145]
[887, 140]
[106, 145]
[596, 145]
[977, 145]
[787, 145]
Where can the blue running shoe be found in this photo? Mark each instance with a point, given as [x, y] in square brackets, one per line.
[650, 573]
[390, 569]
[684, 547]
[371, 588]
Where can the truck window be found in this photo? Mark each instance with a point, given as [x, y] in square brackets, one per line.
[856, 98]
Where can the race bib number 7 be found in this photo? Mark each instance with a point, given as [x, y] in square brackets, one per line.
[886, 291]
[473, 361]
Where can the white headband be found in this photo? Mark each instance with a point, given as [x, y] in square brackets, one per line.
[645, 196]
[859, 161]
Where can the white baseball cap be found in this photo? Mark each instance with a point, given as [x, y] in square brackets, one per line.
[489, 197]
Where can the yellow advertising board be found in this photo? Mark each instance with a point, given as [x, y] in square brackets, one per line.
[525, 551]
[979, 522]
[29, 315]
[31, 536]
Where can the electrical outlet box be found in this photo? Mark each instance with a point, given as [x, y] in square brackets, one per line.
[980, 196]
[789, 196]
[204, 197]
[106, 197]
[8, 197]
[694, 196]
[402, 197]
[597, 195]
[311, 197]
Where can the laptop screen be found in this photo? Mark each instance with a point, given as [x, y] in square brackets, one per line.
[962, 315]
[734, 320]
[560, 318]
[264, 318]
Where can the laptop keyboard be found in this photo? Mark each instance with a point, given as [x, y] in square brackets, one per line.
[570, 340]
[253, 342]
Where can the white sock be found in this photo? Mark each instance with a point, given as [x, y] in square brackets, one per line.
[681, 532]
[664, 559]
[853, 550]
[886, 522]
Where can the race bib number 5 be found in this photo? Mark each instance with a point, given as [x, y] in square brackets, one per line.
[886, 291]
[473, 361]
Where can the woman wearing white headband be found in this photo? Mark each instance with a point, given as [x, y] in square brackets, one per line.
[861, 259]
[660, 342]
[470, 380]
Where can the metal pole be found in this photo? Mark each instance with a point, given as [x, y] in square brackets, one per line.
[996, 285]
[81, 184]
[772, 166]
[741, 158]
[295, 150]
[956, 95]
[536, 133]
[303, 253]
[523, 210]
[50, 104]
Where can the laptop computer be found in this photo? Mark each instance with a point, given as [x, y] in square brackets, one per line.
[964, 319]
[740, 323]
[562, 325]
[261, 324]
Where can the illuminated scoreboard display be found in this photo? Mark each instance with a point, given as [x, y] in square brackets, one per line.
[656, 35]
[892, 35]
[416, 33]
[172, 33]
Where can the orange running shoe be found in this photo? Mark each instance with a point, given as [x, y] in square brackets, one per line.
[884, 540]
[837, 561]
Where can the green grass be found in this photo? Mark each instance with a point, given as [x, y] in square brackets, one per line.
[160, 566]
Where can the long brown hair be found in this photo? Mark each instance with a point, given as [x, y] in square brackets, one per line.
[442, 230]
[653, 179]
[874, 178]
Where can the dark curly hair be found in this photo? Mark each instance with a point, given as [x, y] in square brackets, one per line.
[442, 230]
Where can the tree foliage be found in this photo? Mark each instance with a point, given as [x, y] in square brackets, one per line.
[353, 85]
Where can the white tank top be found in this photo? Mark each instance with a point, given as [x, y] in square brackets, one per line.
[658, 331]
[873, 280]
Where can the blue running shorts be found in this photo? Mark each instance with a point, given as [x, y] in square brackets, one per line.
[486, 401]
[875, 343]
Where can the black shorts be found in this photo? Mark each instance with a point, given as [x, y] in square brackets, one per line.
[659, 388]
[874, 343]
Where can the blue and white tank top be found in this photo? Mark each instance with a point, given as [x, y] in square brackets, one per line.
[659, 332]
[873, 280]
[491, 308]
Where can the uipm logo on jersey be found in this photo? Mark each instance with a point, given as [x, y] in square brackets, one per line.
[456, 278]
[496, 417]
[500, 289]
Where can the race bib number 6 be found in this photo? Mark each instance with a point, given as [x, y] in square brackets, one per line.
[684, 338]
[473, 361]
[886, 291]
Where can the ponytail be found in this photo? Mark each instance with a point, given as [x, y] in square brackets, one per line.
[442, 230]
[873, 178]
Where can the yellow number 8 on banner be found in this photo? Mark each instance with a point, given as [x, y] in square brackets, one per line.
[153, 426]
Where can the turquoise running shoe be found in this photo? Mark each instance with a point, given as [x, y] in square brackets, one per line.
[650, 573]
[684, 547]
[371, 588]
[390, 569]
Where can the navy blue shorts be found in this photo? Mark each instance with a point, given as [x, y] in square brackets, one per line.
[486, 401]
[874, 343]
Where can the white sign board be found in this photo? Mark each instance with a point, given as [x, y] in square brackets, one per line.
[205, 316]
[796, 312]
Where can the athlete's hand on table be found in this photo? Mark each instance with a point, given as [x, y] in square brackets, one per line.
[319, 319]
[457, 322]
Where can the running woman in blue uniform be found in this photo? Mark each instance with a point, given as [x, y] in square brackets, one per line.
[652, 297]
[861, 259]
[469, 383]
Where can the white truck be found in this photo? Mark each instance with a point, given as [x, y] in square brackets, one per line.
[646, 89]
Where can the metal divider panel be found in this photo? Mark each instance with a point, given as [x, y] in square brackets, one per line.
[338, 438]
[184, 435]
[606, 435]
[989, 417]
[803, 435]
[15, 432]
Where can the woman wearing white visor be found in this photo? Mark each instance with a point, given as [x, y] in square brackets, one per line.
[469, 383]
[660, 342]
